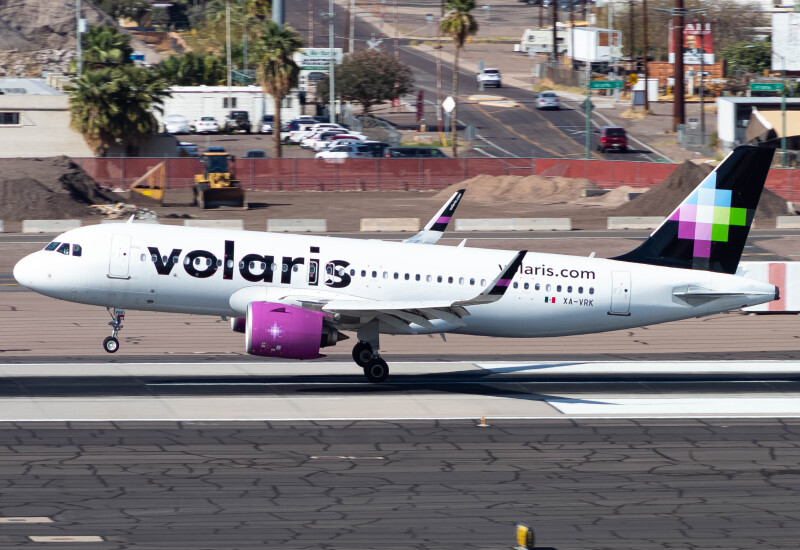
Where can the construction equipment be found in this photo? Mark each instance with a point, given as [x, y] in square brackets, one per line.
[217, 186]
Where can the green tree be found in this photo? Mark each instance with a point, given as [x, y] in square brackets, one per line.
[753, 57]
[460, 25]
[104, 46]
[369, 77]
[115, 105]
[130, 9]
[191, 69]
[276, 70]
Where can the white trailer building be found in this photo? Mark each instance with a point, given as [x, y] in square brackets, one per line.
[193, 102]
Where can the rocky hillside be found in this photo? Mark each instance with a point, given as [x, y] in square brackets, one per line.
[39, 35]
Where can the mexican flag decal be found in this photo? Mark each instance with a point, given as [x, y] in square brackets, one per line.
[549, 299]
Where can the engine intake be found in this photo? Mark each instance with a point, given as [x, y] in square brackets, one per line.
[291, 332]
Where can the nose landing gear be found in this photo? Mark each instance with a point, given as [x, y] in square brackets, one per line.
[111, 344]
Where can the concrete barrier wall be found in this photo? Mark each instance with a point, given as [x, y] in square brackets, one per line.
[297, 225]
[125, 220]
[2, 229]
[787, 222]
[513, 224]
[389, 224]
[634, 222]
[49, 226]
[217, 224]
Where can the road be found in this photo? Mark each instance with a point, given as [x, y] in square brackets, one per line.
[516, 130]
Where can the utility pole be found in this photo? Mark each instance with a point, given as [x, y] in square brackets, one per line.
[396, 34]
[555, 34]
[541, 14]
[331, 78]
[79, 47]
[310, 23]
[631, 32]
[347, 29]
[228, 56]
[439, 70]
[277, 12]
[678, 112]
[644, 36]
[352, 46]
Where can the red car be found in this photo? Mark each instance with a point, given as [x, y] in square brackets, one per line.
[612, 137]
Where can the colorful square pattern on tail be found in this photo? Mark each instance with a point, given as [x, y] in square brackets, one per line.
[706, 216]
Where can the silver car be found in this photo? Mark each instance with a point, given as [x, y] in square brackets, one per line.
[548, 100]
[176, 124]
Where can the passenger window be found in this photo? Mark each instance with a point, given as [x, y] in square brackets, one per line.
[558, 288]
[580, 290]
[175, 261]
[396, 275]
[569, 289]
[439, 279]
[229, 263]
[274, 267]
[450, 280]
[64, 249]
[407, 277]
[547, 287]
[417, 277]
[537, 286]
[285, 268]
[363, 272]
[483, 282]
[385, 274]
[428, 278]
[591, 290]
[374, 274]
[472, 282]
[77, 250]
[52, 246]
[241, 264]
[527, 286]
[295, 268]
[516, 284]
[143, 257]
[219, 262]
[352, 272]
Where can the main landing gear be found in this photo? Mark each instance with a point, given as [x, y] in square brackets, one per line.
[375, 368]
[111, 344]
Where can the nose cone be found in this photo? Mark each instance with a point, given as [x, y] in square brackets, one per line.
[27, 271]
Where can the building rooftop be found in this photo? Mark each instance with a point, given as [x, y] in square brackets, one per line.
[26, 86]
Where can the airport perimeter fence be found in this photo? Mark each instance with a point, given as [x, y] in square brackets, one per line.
[400, 174]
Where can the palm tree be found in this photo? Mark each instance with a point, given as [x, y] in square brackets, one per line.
[105, 46]
[276, 70]
[191, 69]
[459, 24]
[115, 105]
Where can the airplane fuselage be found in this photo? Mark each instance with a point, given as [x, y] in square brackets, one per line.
[202, 271]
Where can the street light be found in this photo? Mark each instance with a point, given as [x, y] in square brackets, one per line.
[332, 99]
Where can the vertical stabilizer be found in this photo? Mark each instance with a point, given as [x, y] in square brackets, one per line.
[709, 228]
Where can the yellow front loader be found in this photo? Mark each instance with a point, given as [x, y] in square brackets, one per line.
[217, 186]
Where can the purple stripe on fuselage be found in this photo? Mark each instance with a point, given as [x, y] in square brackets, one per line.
[503, 282]
[443, 219]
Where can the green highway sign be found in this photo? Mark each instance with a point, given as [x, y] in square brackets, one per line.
[766, 87]
[605, 85]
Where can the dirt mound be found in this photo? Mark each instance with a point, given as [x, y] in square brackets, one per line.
[49, 188]
[525, 189]
[612, 199]
[664, 198]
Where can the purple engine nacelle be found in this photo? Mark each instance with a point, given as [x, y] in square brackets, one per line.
[291, 332]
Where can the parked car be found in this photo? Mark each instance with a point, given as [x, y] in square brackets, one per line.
[215, 149]
[305, 131]
[255, 154]
[206, 125]
[186, 149]
[267, 122]
[237, 121]
[548, 100]
[612, 137]
[349, 151]
[490, 77]
[377, 148]
[413, 152]
[342, 139]
[176, 124]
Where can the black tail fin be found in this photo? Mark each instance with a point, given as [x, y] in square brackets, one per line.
[709, 228]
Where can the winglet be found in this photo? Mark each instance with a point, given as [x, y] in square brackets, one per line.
[497, 288]
[434, 229]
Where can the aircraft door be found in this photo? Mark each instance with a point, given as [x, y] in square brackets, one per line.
[119, 259]
[620, 293]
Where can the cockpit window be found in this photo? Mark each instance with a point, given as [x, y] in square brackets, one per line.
[64, 249]
[77, 250]
[52, 246]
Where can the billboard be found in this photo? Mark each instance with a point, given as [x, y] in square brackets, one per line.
[317, 59]
[698, 39]
[786, 41]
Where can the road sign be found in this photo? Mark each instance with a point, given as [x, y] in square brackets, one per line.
[318, 59]
[449, 104]
[766, 87]
[633, 78]
[606, 85]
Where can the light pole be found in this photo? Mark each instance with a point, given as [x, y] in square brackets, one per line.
[331, 87]
[783, 108]
[79, 51]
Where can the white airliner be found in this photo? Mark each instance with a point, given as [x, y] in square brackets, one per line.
[294, 294]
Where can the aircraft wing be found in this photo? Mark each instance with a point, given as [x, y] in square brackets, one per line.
[402, 313]
[435, 228]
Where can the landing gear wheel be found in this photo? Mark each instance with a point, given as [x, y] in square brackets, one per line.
[377, 370]
[362, 354]
[111, 344]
